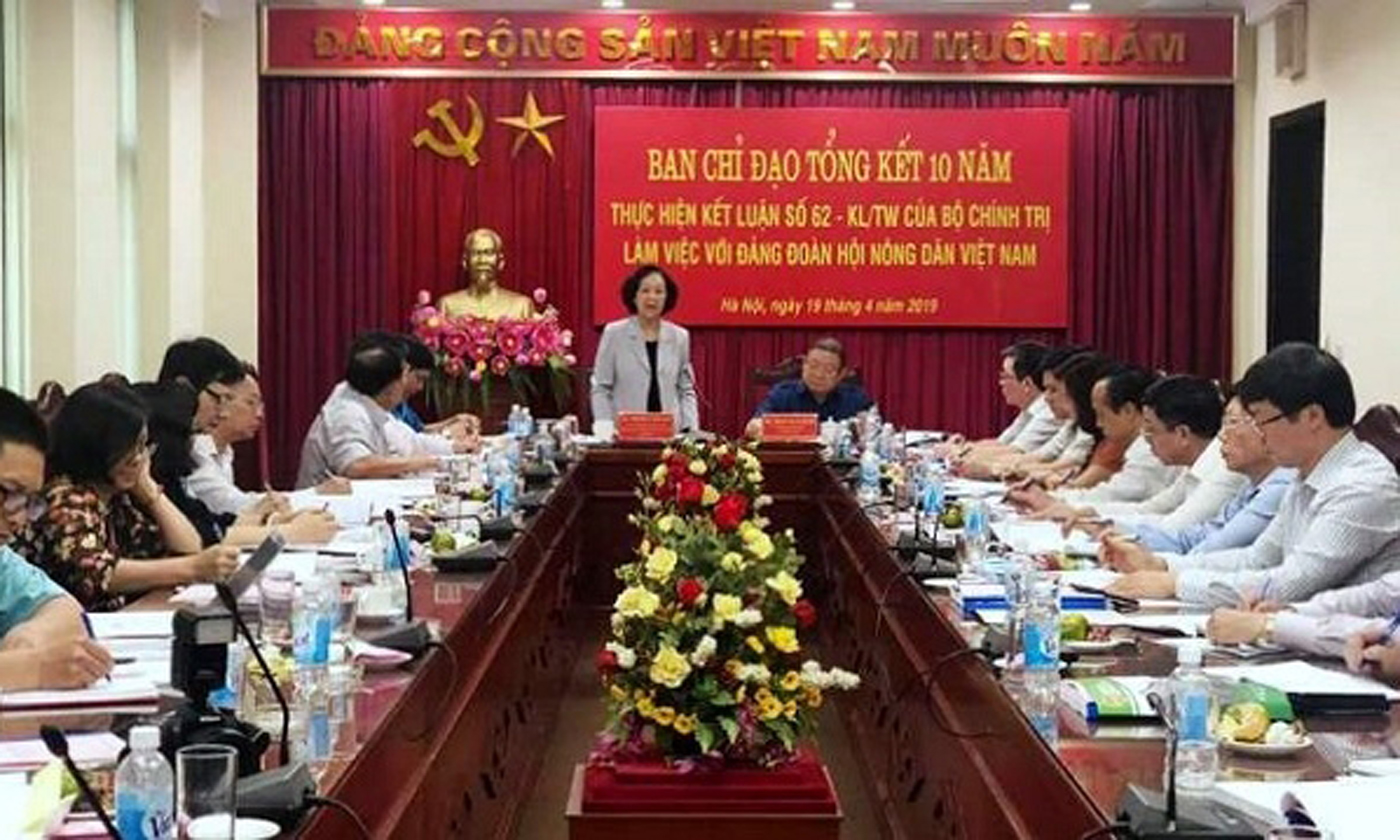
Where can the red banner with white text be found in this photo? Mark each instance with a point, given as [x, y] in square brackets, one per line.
[837, 217]
[770, 45]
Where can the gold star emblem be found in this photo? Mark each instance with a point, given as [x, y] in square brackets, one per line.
[531, 124]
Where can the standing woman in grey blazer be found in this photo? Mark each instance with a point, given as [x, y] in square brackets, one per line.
[643, 362]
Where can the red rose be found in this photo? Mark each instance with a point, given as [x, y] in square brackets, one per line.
[805, 613]
[665, 491]
[678, 462]
[689, 590]
[692, 490]
[606, 662]
[730, 510]
[728, 460]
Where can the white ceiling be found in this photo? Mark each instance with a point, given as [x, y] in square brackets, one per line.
[800, 5]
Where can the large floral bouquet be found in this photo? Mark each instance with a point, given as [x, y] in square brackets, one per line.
[472, 353]
[705, 663]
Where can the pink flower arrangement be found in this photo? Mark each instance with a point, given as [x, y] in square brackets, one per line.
[467, 347]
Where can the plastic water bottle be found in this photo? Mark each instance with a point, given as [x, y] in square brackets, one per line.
[1195, 748]
[145, 789]
[313, 621]
[527, 423]
[503, 487]
[1040, 645]
[869, 492]
[976, 533]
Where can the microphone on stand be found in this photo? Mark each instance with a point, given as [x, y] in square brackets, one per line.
[57, 744]
[389, 519]
[231, 604]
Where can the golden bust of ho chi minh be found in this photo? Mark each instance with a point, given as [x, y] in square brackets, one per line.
[484, 297]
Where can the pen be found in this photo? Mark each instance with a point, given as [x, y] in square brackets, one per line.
[1390, 629]
[1123, 601]
[87, 624]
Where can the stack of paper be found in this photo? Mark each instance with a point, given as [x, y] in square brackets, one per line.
[101, 694]
[155, 624]
[1297, 677]
[88, 749]
[1352, 809]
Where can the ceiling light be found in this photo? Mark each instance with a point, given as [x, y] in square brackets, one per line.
[1081, 7]
[843, 5]
[614, 4]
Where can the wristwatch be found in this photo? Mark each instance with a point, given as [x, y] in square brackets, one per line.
[1266, 635]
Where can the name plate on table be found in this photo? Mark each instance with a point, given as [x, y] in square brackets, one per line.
[790, 428]
[645, 426]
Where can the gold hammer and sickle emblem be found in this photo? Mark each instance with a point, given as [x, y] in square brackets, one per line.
[460, 145]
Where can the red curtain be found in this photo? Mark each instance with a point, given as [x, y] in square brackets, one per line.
[355, 221]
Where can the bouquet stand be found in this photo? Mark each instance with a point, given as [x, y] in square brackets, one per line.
[633, 801]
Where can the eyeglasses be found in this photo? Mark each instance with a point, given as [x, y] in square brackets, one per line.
[1260, 424]
[20, 501]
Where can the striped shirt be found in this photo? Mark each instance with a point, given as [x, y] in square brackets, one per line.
[1322, 624]
[1336, 527]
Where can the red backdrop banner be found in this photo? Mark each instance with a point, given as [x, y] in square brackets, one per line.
[883, 47]
[355, 220]
[837, 216]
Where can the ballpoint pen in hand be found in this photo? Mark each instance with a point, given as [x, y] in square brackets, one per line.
[87, 624]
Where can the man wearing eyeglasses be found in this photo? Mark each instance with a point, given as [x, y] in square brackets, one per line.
[43, 643]
[1337, 524]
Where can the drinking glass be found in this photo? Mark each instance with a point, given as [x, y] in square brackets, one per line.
[278, 591]
[206, 784]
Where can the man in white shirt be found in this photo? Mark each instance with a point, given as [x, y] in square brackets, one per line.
[1181, 417]
[347, 437]
[1337, 525]
[1019, 381]
[456, 435]
[1056, 436]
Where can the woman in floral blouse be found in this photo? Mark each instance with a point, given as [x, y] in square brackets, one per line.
[108, 531]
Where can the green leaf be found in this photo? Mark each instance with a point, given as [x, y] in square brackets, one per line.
[783, 730]
[731, 729]
[722, 698]
[705, 736]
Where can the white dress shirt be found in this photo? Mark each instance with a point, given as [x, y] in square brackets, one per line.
[1141, 477]
[1070, 443]
[1198, 493]
[1336, 527]
[406, 443]
[1033, 427]
[212, 479]
[1322, 624]
[349, 426]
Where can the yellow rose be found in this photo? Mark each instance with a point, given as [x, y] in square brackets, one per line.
[761, 546]
[791, 681]
[685, 724]
[763, 695]
[645, 707]
[783, 638]
[754, 643]
[813, 696]
[665, 715]
[770, 709]
[710, 495]
[669, 667]
[697, 467]
[637, 602]
[741, 694]
[790, 709]
[617, 693]
[788, 587]
[658, 475]
[660, 564]
[726, 607]
[748, 530]
[732, 562]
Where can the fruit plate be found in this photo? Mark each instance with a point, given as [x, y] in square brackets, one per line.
[1263, 750]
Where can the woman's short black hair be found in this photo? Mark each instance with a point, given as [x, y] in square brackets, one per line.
[200, 361]
[20, 424]
[1079, 373]
[633, 284]
[170, 409]
[98, 425]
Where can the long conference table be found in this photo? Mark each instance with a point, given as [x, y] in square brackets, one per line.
[451, 747]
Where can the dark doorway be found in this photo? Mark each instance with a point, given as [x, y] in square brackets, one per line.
[1295, 224]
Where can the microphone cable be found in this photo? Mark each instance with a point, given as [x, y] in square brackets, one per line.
[337, 805]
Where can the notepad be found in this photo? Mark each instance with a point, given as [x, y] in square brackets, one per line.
[1297, 677]
[133, 624]
[103, 693]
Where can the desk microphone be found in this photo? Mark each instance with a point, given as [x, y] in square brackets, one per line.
[231, 604]
[57, 743]
[389, 519]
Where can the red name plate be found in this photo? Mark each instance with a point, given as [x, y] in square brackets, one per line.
[645, 425]
[790, 428]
